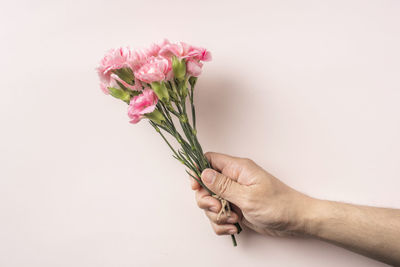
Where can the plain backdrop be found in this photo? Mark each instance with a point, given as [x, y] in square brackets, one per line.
[310, 90]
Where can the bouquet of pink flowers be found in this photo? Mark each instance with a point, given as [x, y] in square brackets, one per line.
[158, 84]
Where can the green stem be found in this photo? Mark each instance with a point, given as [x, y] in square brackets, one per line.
[191, 96]
[165, 139]
[191, 154]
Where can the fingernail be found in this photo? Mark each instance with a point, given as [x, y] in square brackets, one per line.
[232, 231]
[208, 176]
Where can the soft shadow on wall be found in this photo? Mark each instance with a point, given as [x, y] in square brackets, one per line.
[227, 114]
[215, 102]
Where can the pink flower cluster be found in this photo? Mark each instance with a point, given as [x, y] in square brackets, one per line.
[142, 104]
[150, 65]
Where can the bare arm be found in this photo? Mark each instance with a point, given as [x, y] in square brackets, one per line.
[265, 204]
[371, 231]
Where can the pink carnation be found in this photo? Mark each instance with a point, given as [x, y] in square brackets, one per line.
[136, 87]
[179, 50]
[114, 59]
[184, 50]
[154, 70]
[137, 59]
[119, 58]
[142, 104]
[149, 65]
[154, 49]
[199, 53]
[104, 85]
[104, 88]
[193, 67]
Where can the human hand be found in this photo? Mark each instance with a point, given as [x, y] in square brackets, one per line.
[258, 200]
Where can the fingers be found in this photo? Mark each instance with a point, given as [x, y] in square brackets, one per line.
[207, 202]
[223, 186]
[222, 225]
[220, 161]
[223, 219]
[224, 229]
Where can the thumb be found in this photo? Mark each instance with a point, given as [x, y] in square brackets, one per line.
[223, 186]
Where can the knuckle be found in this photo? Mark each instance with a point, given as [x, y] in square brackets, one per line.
[223, 185]
[247, 161]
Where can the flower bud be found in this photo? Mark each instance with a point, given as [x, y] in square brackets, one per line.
[179, 68]
[156, 116]
[192, 81]
[120, 94]
[161, 90]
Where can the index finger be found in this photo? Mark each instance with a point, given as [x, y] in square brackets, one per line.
[225, 164]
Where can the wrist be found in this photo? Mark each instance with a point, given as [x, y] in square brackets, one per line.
[313, 216]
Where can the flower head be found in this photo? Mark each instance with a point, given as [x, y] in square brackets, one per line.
[193, 67]
[137, 59]
[191, 54]
[123, 68]
[184, 50]
[114, 59]
[142, 104]
[199, 53]
[154, 49]
[156, 69]
[180, 50]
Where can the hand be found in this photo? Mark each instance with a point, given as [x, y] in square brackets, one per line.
[258, 200]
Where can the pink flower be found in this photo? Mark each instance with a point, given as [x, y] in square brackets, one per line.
[119, 58]
[142, 104]
[114, 59]
[199, 53]
[149, 65]
[137, 59]
[154, 49]
[184, 50]
[193, 67]
[179, 50]
[104, 88]
[136, 87]
[104, 85]
[156, 69]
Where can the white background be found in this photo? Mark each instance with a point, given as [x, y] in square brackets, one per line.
[310, 90]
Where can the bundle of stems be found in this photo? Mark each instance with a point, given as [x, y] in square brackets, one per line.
[190, 152]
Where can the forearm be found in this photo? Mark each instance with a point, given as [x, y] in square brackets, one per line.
[373, 232]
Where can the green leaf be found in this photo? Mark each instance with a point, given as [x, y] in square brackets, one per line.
[119, 94]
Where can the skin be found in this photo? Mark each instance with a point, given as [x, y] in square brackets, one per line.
[266, 205]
